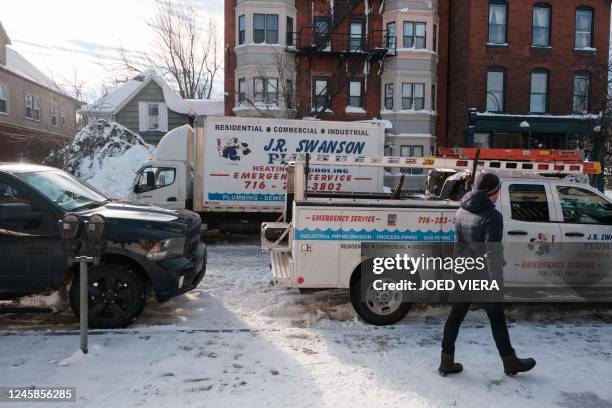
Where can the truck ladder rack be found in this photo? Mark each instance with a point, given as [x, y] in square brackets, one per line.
[525, 167]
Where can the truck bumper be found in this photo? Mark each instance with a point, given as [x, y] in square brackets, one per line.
[181, 274]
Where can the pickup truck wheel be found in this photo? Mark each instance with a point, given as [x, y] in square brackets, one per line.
[117, 296]
[378, 307]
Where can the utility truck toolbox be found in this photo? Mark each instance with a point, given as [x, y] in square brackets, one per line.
[233, 170]
[318, 244]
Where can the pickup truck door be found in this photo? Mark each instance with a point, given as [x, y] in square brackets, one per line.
[31, 258]
[585, 218]
[160, 186]
[531, 233]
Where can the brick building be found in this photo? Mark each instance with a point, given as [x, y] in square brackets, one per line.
[345, 60]
[36, 115]
[535, 72]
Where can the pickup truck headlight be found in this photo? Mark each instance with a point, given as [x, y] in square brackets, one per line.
[167, 248]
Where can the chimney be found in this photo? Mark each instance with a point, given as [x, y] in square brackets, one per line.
[4, 41]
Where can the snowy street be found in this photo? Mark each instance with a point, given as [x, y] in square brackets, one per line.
[238, 341]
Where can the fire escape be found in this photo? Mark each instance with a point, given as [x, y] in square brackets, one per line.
[355, 52]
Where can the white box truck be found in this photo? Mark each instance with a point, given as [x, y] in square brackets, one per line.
[232, 171]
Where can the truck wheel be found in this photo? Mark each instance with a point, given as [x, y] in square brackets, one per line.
[379, 308]
[117, 296]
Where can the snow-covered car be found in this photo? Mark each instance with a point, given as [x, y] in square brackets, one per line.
[146, 247]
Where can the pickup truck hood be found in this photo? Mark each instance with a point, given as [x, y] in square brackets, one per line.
[119, 212]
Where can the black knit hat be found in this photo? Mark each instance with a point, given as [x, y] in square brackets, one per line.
[488, 182]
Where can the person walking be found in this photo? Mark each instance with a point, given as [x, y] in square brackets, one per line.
[478, 222]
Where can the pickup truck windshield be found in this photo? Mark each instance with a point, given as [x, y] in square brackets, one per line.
[63, 189]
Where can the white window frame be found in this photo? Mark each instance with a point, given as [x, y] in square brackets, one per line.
[6, 96]
[62, 115]
[388, 96]
[55, 112]
[32, 106]
[158, 127]
[359, 95]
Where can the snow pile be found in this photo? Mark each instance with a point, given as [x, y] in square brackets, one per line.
[106, 155]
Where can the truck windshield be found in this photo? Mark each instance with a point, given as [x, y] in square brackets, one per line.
[63, 189]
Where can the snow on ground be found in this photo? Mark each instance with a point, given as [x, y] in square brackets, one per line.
[238, 341]
[106, 155]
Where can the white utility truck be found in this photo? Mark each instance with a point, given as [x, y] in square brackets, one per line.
[318, 245]
[232, 171]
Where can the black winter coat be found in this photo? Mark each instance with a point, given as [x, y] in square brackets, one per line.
[479, 228]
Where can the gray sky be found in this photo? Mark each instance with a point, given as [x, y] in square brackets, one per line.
[64, 36]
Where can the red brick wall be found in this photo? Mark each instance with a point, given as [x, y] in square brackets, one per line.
[330, 65]
[229, 42]
[442, 88]
[470, 57]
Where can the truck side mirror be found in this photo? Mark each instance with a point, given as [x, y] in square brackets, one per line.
[16, 211]
[150, 179]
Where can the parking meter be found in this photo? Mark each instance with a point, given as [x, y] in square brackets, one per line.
[83, 247]
[69, 226]
[95, 244]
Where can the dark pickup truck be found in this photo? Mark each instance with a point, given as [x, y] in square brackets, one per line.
[147, 248]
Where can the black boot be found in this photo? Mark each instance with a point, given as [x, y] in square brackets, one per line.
[448, 365]
[514, 365]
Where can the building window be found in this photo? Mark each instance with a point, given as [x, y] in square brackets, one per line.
[411, 151]
[272, 28]
[495, 89]
[241, 29]
[540, 36]
[433, 98]
[413, 96]
[259, 28]
[539, 91]
[272, 91]
[258, 89]
[63, 115]
[582, 85]
[321, 34]
[153, 112]
[389, 96]
[54, 112]
[3, 98]
[584, 27]
[320, 92]
[289, 31]
[435, 38]
[414, 35]
[391, 40]
[356, 35]
[356, 94]
[241, 90]
[498, 22]
[32, 104]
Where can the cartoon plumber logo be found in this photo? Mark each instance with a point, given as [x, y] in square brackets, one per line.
[232, 149]
[543, 244]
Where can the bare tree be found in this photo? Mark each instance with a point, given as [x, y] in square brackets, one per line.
[183, 50]
[598, 142]
[278, 80]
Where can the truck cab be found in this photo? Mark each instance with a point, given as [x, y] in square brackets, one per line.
[147, 248]
[167, 179]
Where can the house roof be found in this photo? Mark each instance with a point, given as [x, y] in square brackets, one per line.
[18, 65]
[4, 34]
[115, 100]
[208, 107]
